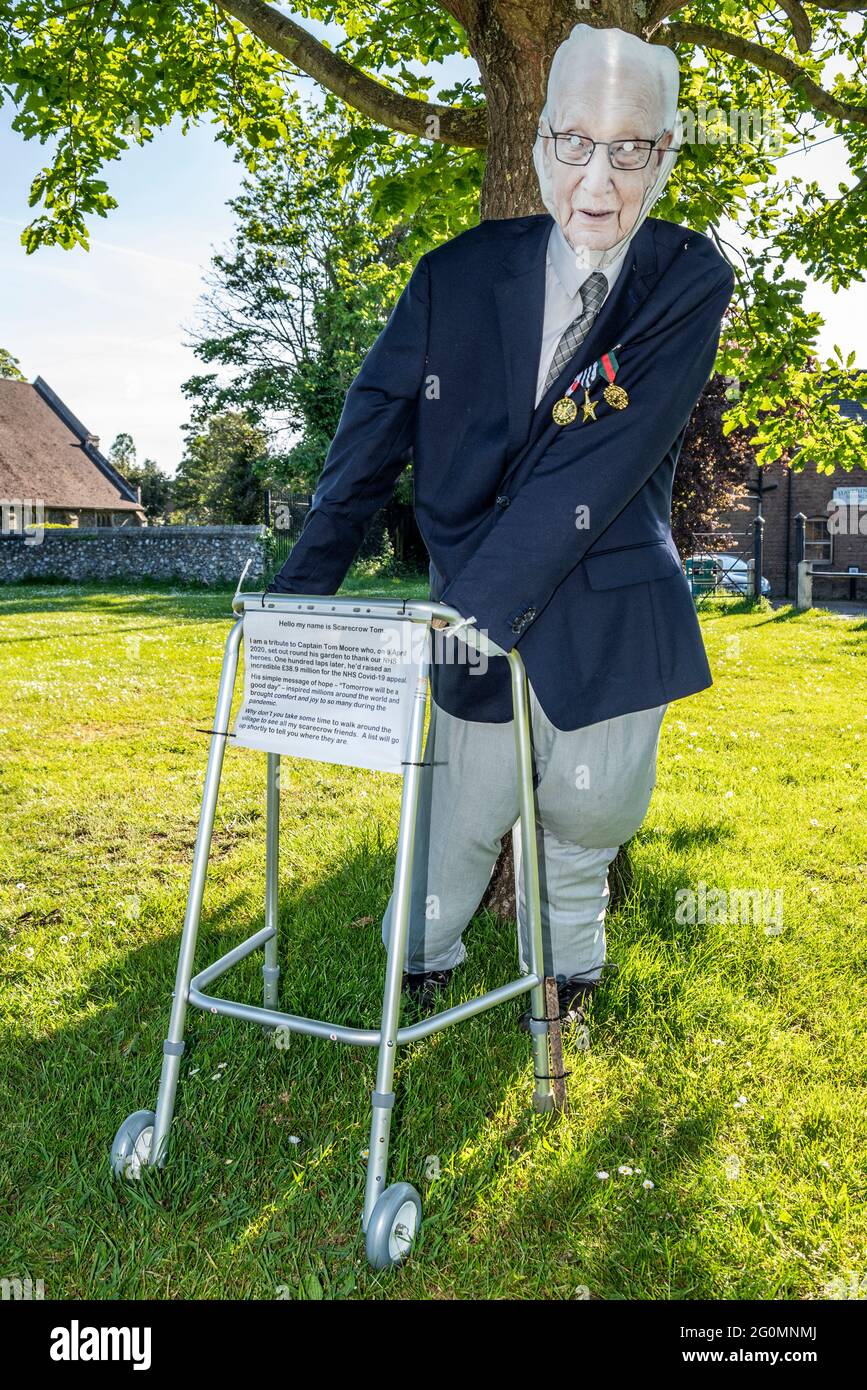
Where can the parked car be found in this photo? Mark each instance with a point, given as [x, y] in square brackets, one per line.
[728, 572]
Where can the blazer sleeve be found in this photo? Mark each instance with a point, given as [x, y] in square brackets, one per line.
[598, 465]
[369, 450]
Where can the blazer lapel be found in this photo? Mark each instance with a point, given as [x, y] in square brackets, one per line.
[520, 300]
[638, 276]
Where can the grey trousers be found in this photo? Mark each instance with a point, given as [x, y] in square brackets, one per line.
[592, 789]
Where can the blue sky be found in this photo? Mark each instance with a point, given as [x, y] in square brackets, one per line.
[107, 328]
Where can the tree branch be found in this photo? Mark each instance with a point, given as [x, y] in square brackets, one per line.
[464, 11]
[705, 36]
[451, 125]
[661, 9]
[800, 23]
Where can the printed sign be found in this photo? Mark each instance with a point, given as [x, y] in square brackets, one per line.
[330, 687]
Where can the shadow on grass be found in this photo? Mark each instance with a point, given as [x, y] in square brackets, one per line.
[585, 1214]
[791, 614]
[180, 600]
[271, 1211]
[723, 607]
[684, 837]
[117, 600]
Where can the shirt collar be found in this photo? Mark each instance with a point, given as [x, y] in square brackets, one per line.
[571, 275]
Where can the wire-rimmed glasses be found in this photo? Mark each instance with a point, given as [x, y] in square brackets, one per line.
[572, 148]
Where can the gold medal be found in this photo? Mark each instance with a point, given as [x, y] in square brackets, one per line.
[616, 396]
[564, 410]
[588, 406]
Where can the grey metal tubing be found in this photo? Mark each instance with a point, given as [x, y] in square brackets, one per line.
[380, 1125]
[543, 1093]
[418, 610]
[423, 610]
[388, 1036]
[238, 953]
[339, 1032]
[469, 1009]
[271, 1018]
[171, 1062]
[270, 969]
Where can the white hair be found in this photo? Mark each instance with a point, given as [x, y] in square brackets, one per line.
[616, 59]
[614, 56]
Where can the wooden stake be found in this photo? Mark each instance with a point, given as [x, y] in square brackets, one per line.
[555, 1044]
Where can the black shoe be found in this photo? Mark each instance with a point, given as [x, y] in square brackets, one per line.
[424, 988]
[574, 995]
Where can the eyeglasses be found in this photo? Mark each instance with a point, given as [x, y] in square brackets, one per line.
[571, 148]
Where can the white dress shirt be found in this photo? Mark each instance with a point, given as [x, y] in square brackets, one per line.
[563, 279]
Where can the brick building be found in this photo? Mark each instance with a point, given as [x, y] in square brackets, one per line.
[835, 505]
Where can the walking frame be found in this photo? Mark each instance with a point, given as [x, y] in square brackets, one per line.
[391, 1215]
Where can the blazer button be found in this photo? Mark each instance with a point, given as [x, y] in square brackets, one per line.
[523, 619]
[503, 501]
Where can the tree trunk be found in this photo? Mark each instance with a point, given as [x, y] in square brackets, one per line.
[500, 894]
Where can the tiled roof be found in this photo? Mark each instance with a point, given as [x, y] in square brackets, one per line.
[44, 454]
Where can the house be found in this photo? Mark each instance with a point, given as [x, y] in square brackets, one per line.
[835, 505]
[49, 460]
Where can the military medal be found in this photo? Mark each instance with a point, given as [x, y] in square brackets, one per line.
[614, 395]
[565, 410]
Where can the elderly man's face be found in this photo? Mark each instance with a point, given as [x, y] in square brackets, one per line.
[596, 204]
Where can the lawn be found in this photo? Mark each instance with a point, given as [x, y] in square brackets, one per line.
[727, 1063]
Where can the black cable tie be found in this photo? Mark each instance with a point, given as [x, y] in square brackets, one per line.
[552, 1076]
[559, 1019]
[407, 762]
[224, 733]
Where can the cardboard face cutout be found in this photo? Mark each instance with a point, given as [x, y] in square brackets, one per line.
[611, 88]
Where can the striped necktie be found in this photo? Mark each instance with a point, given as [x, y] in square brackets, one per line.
[593, 292]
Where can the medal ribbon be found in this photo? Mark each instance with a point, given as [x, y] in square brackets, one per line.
[609, 364]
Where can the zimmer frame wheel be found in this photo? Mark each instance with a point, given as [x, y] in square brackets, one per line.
[131, 1150]
[393, 1227]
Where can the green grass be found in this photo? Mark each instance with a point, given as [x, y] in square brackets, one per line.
[761, 785]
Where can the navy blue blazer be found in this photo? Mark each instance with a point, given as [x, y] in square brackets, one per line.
[555, 538]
